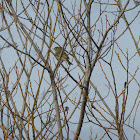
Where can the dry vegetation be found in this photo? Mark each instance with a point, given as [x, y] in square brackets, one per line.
[44, 98]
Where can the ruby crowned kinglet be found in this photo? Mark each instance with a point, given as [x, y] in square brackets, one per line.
[64, 56]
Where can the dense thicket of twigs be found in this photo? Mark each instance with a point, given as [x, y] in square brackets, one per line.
[42, 97]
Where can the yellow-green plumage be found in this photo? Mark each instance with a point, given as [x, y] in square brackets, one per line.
[64, 56]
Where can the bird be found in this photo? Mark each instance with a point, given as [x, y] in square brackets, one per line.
[136, 2]
[64, 56]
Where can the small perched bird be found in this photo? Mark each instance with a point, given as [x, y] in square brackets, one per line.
[64, 56]
[136, 2]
